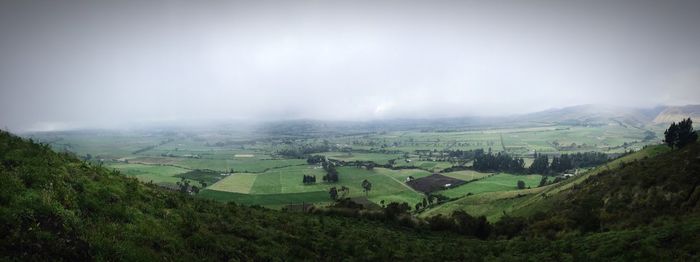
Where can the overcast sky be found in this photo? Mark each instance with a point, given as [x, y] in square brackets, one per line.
[109, 63]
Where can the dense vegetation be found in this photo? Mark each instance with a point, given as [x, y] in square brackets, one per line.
[565, 162]
[681, 134]
[54, 206]
[499, 162]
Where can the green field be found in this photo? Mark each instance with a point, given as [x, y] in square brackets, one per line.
[467, 175]
[375, 157]
[268, 200]
[236, 183]
[269, 188]
[263, 176]
[150, 173]
[494, 183]
[526, 202]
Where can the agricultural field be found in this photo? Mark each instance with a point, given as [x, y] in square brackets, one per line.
[374, 157]
[269, 188]
[493, 183]
[466, 175]
[236, 183]
[249, 168]
[150, 173]
[434, 183]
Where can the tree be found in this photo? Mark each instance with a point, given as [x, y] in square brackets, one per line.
[543, 181]
[343, 192]
[521, 184]
[540, 165]
[333, 192]
[184, 185]
[332, 175]
[681, 134]
[367, 186]
[685, 135]
[394, 209]
[671, 135]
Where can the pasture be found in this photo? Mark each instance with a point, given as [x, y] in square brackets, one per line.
[492, 183]
[236, 183]
[150, 173]
[266, 188]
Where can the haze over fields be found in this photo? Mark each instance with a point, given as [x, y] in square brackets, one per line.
[97, 64]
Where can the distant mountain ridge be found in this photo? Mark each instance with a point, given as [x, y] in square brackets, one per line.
[597, 115]
[583, 115]
[677, 113]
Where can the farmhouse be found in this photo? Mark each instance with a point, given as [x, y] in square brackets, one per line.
[565, 176]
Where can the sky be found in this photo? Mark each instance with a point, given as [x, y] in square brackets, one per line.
[70, 64]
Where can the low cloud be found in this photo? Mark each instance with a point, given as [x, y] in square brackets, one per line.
[88, 64]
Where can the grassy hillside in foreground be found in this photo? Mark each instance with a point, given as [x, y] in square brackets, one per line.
[527, 202]
[55, 207]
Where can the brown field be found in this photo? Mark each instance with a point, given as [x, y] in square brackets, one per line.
[434, 182]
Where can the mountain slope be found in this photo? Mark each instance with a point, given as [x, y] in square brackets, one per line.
[595, 115]
[527, 202]
[677, 113]
[638, 193]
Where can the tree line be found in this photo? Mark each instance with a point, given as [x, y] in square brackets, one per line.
[499, 162]
[564, 162]
[302, 151]
[309, 179]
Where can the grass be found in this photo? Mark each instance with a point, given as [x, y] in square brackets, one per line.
[378, 158]
[490, 204]
[402, 174]
[205, 176]
[466, 175]
[432, 166]
[494, 183]
[244, 165]
[148, 173]
[269, 188]
[528, 201]
[268, 200]
[274, 176]
[235, 183]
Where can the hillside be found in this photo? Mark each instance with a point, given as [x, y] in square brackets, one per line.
[583, 115]
[56, 207]
[527, 202]
[677, 113]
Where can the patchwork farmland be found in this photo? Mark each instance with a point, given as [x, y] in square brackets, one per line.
[255, 168]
